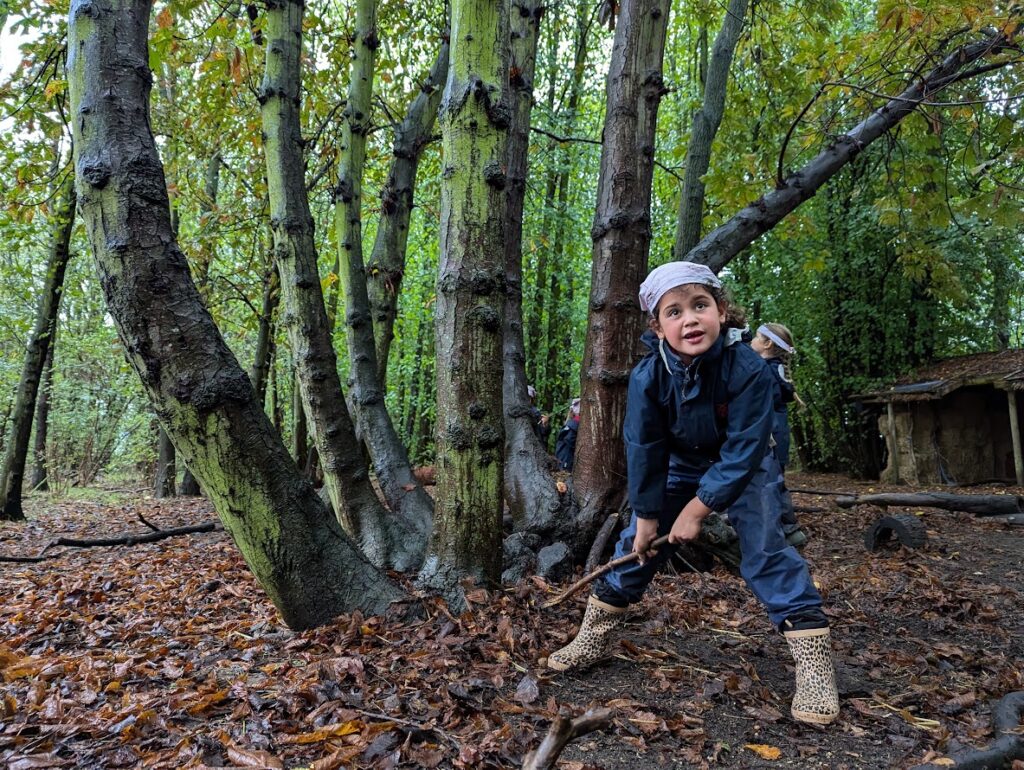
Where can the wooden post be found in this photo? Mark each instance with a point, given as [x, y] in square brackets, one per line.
[1018, 456]
[895, 459]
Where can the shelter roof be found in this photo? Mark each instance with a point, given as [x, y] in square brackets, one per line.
[1003, 369]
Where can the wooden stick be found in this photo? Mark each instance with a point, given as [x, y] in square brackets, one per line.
[586, 579]
[562, 731]
[150, 537]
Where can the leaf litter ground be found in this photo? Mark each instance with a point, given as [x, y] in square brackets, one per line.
[169, 655]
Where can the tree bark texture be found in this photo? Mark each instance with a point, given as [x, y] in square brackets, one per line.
[387, 262]
[705, 125]
[297, 550]
[622, 235]
[726, 241]
[403, 493]
[475, 117]
[12, 472]
[305, 317]
[39, 474]
[529, 486]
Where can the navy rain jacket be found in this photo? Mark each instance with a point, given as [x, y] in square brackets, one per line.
[785, 394]
[708, 423]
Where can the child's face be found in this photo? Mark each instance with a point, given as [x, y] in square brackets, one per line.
[689, 320]
[761, 345]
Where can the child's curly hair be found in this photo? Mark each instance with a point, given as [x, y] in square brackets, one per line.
[735, 315]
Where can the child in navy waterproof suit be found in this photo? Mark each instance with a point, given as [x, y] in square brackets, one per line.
[774, 343]
[698, 421]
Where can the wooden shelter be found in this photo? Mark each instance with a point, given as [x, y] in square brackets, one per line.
[958, 421]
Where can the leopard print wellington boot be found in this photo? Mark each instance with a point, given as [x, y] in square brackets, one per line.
[817, 697]
[591, 642]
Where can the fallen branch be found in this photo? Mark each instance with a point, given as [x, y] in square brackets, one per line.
[153, 527]
[149, 537]
[589, 578]
[1009, 743]
[562, 731]
[828, 492]
[808, 508]
[979, 505]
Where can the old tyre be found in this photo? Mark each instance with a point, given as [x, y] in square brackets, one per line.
[906, 528]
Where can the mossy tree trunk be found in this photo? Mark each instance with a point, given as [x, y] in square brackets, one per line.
[386, 267]
[12, 472]
[622, 235]
[402, 491]
[475, 116]
[297, 550]
[342, 459]
[529, 486]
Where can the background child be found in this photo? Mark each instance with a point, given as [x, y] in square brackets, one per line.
[698, 421]
[565, 444]
[774, 343]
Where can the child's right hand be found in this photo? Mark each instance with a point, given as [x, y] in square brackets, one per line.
[646, 532]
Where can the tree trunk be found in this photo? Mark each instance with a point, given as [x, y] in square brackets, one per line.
[16, 452]
[532, 324]
[166, 468]
[723, 243]
[39, 475]
[705, 125]
[207, 209]
[265, 334]
[529, 487]
[300, 436]
[189, 486]
[402, 491]
[341, 454]
[387, 262]
[298, 552]
[622, 234]
[475, 116]
[559, 329]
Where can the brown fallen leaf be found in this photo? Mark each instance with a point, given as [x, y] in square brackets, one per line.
[324, 733]
[253, 758]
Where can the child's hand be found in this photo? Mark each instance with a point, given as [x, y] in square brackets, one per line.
[687, 523]
[646, 532]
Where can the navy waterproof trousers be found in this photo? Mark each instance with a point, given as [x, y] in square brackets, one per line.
[775, 571]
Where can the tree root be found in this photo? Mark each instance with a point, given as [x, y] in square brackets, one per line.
[1009, 743]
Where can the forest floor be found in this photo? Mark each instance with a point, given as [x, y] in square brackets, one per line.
[169, 655]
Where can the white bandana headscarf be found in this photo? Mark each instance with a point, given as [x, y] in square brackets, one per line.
[662, 280]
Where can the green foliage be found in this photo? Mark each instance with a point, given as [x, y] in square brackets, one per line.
[915, 252]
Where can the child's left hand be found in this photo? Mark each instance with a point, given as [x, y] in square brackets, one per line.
[687, 523]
